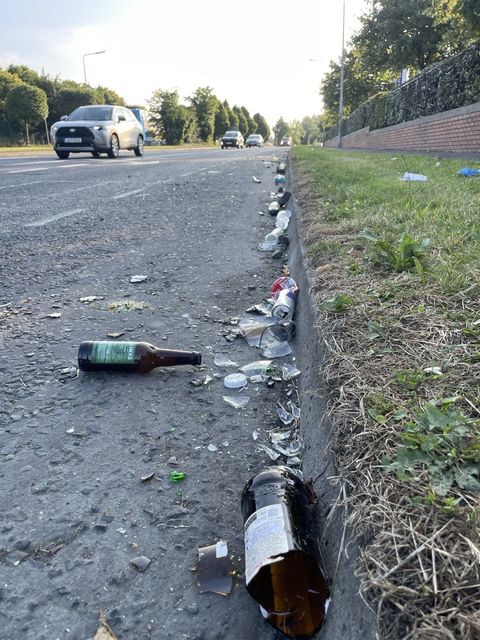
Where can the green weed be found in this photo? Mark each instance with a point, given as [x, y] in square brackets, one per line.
[445, 444]
[338, 304]
[407, 254]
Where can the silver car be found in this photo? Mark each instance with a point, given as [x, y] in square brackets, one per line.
[97, 129]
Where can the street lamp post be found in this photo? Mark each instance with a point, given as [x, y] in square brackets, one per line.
[93, 53]
[342, 78]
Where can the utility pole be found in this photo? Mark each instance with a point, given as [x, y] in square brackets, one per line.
[342, 78]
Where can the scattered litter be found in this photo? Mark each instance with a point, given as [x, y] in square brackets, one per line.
[257, 368]
[141, 563]
[172, 461]
[295, 411]
[237, 402]
[223, 361]
[115, 334]
[255, 434]
[279, 435]
[273, 208]
[235, 381]
[88, 299]
[277, 523]
[436, 371]
[212, 447]
[289, 372]
[253, 328]
[290, 449]
[273, 455]
[274, 341]
[280, 179]
[285, 290]
[467, 172]
[261, 213]
[214, 569]
[414, 177]
[263, 308]
[126, 305]
[104, 631]
[284, 199]
[286, 417]
[135, 279]
[283, 219]
[53, 315]
[147, 477]
[71, 372]
[257, 180]
[178, 476]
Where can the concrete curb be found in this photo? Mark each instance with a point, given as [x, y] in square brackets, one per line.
[349, 618]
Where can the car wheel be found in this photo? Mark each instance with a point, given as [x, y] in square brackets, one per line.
[63, 155]
[139, 148]
[96, 154]
[114, 150]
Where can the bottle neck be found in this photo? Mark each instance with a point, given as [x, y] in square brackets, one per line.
[170, 357]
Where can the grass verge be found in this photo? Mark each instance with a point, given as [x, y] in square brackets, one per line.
[397, 281]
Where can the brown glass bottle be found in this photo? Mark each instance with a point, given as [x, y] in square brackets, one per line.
[282, 572]
[105, 355]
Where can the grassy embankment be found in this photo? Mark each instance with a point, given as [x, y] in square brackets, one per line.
[400, 317]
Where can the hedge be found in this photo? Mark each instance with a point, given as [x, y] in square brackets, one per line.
[454, 82]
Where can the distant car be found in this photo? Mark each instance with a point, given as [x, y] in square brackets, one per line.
[232, 139]
[97, 129]
[286, 141]
[254, 140]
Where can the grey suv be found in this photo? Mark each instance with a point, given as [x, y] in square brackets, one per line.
[232, 139]
[97, 129]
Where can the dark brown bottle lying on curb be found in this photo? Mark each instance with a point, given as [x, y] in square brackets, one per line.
[281, 570]
[105, 355]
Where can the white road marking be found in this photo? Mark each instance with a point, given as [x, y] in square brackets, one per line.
[43, 221]
[125, 195]
[70, 166]
[27, 170]
[21, 184]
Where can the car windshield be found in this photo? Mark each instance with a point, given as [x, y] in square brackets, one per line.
[233, 133]
[254, 137]
[91, 113]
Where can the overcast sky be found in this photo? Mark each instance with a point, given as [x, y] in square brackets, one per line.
[254, 53]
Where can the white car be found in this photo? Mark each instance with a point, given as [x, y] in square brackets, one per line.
[97, 129]
[254, 140]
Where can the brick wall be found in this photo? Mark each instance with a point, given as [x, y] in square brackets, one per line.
[457, 130]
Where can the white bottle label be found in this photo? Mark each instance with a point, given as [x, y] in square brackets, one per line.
[265, 537]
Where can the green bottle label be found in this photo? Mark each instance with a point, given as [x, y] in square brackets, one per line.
[105, 352]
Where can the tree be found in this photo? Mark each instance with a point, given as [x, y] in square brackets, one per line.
[280, 130]
[360, 83]
[205, 104]
[175, 123]
[242, 121]
[262, 126]
[68, 99]
[222, 120]
[108, 96]
[251, 124]
[7, 82]
[395, 35]
[312, 130]
[28, 105]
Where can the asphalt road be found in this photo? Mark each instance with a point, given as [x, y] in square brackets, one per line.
[73, 449]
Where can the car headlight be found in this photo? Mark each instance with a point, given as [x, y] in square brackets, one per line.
[97, 127]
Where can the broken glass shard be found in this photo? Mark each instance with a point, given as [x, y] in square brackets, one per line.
[235, 381]
[214, 569]
[237, 402]
[253, 328]
[223, 361]
[289, 372]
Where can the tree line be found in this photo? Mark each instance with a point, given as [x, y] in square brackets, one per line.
[393, 35]
[204, 118]
[30, 103]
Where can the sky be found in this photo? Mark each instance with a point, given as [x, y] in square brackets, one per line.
[267, 55]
